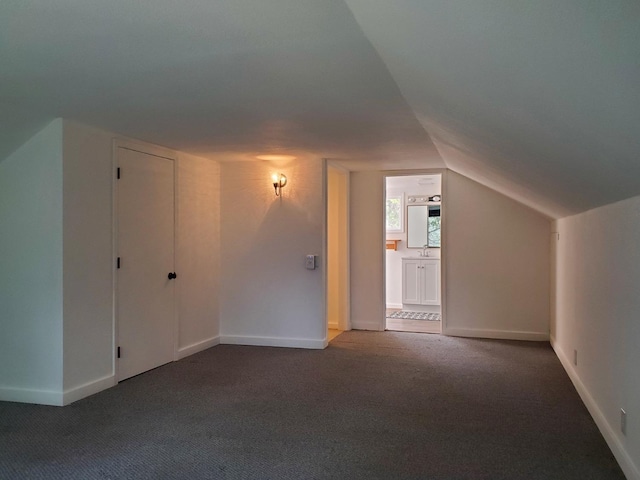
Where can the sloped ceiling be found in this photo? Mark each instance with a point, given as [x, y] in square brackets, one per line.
[225, 79]
[539, 100]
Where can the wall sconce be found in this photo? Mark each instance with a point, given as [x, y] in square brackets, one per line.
[279, 181]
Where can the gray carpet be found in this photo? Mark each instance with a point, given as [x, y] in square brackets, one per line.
[407, 315]
[371, 406]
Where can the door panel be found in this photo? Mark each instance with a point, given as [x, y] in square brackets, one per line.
[411, 281]
[145, 294]
[430, 283]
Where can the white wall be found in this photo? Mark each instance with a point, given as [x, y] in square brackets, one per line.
[267, 295]
[597, 272]
[31, 264]
[198, 253]
[88, 298]
[495, 260]
[496, 263]
[56, 212]
[88, 257]
[366, 225]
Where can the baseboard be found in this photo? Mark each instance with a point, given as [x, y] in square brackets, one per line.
[89, 388]
[629, 468]
[498, 334]
[273, 341]
[396, 306]
[197, 347]
[332, 326]
[365, 325]
[27, 395]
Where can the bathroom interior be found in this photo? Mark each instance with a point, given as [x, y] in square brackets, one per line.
[413, 241]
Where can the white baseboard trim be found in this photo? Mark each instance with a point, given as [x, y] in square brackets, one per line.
[27, 395]
[333, 325]
[394, 305]
[629, 468]
[273, 341]
[498, 334]
[197, 347]
[365, 325]
[87, 389]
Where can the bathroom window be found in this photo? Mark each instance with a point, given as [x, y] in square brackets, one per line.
[395, 219]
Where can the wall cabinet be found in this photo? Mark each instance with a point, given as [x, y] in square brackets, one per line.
[421, 281]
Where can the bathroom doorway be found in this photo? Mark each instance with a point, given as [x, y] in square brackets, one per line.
[412, 252]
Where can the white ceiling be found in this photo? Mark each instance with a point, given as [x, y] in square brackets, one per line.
[415, 184]
[222, 79]
[539, 100]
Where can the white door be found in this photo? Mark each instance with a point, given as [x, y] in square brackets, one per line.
[145, 294]
[411, 281]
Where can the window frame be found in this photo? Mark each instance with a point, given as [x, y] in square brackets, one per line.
[400, 197]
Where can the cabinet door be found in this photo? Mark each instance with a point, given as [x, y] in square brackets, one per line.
[430, 277]
[411, 273]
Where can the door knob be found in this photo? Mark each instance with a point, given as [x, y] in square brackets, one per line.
[172, 275]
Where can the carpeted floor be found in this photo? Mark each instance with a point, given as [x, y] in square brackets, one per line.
[373, 405]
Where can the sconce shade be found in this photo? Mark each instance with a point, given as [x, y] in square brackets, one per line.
[279, 181]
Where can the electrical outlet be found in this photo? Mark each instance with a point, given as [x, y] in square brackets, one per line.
[623, 421]
[575, 357]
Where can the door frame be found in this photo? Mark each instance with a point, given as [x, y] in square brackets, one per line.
[443, 226]
[345, 316]
[153, 150]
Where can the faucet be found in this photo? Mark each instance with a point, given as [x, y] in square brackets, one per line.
[425, 251]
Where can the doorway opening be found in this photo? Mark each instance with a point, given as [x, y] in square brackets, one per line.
[337, 234]
[412, 252]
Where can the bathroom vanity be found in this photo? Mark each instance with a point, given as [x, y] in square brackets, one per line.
[420, 282]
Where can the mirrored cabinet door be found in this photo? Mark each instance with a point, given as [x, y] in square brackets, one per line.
[417, 222]
[423, 226]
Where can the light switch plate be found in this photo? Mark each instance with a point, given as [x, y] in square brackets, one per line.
[310, 262]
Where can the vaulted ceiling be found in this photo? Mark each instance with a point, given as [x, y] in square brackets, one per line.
[539, 100]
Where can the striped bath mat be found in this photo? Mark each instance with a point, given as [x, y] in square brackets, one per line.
[406, 315]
